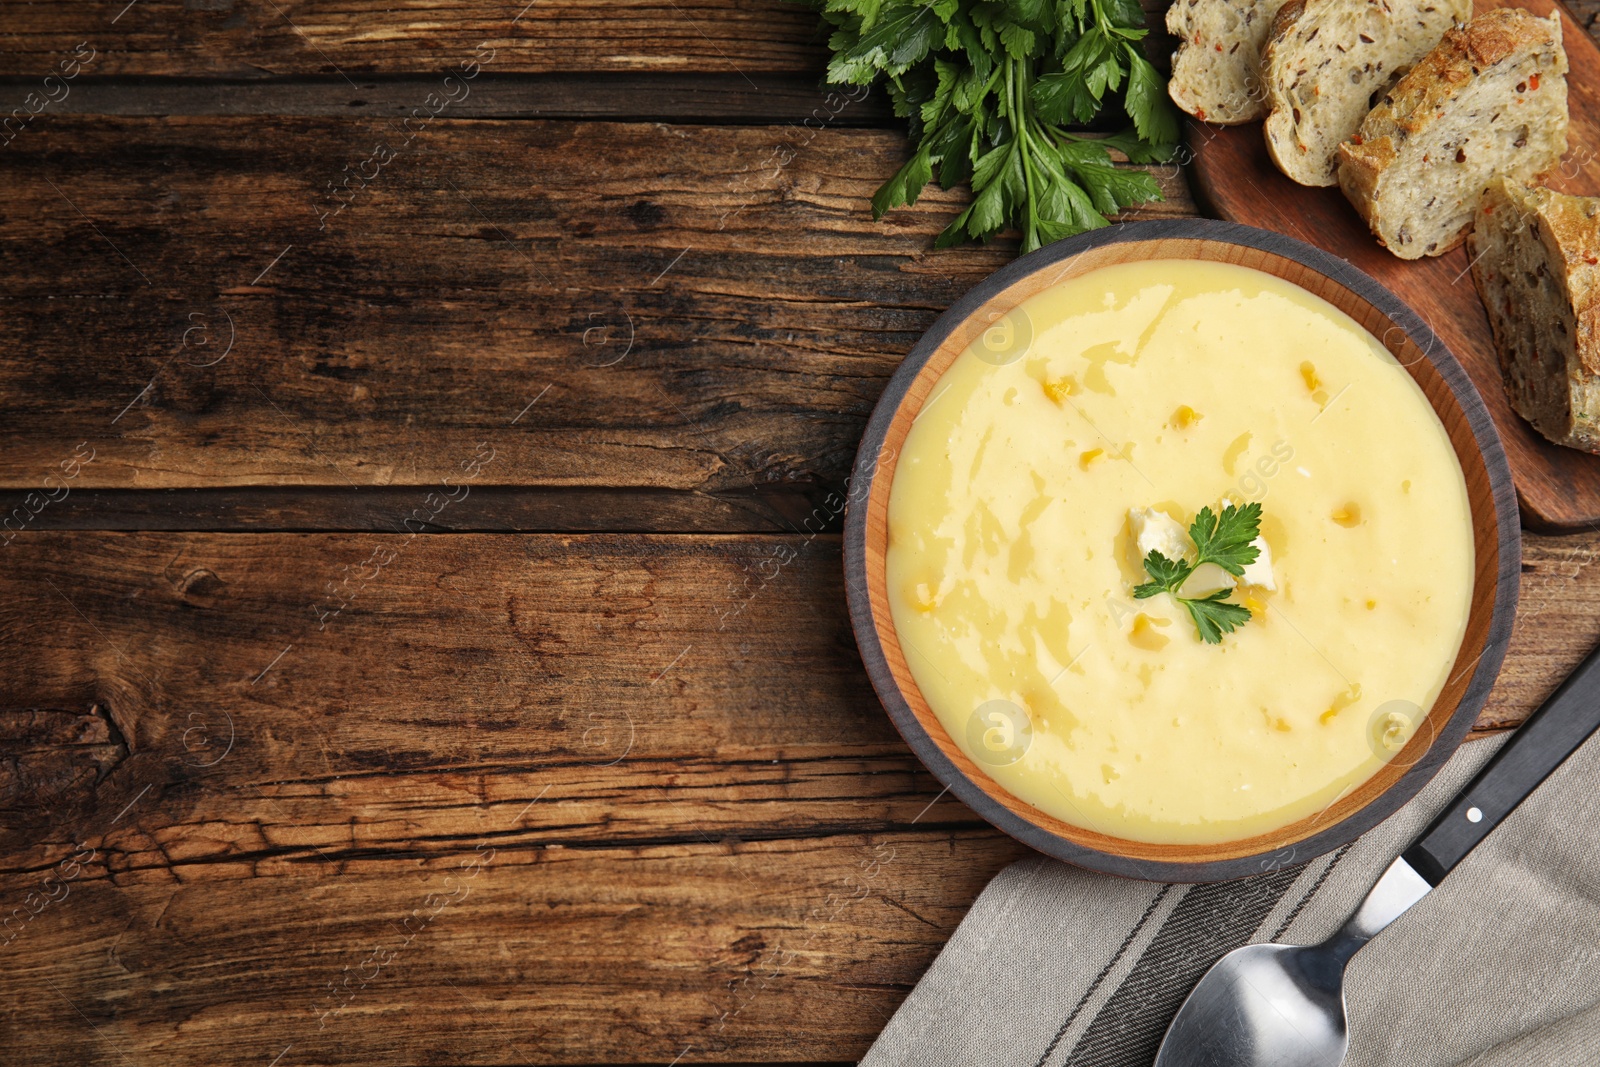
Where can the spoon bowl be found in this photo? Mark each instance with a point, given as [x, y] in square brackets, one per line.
[1283, 1005]
[1263, 1004]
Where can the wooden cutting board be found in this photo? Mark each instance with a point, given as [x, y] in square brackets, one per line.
[1559, 488]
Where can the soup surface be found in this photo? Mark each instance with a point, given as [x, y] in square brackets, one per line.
[1092, 424]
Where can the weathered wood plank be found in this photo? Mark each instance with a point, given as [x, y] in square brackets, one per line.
[229, 38]
[538, 954]
[503, 656]
[383, 509]
[613, 305]
[694, 805]
[250, 38]
[703, 830]
[1558, 623]
[657, 96]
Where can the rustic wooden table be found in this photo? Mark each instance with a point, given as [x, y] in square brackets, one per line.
[423, 630]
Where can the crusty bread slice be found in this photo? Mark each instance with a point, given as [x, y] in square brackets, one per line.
[1327, 61]
[1216, 71]
[1536, 262]
[1490, 101]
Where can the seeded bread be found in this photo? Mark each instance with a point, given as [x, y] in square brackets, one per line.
[1327, 61]
[1536, 262]
[1216, 71]
[1490, 101]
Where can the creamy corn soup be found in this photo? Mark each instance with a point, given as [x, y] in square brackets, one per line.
[1087, 428]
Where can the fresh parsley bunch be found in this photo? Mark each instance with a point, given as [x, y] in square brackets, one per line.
[1221, 539]
[989, 87]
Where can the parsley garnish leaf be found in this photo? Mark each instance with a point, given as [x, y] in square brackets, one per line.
[1225, 539]
[1221, 539]
[1215, 615]
[1167, 574]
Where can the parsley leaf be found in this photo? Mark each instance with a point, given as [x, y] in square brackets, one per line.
[989, 87]
[894, 44]
[1225, 539]
[1215, 615]
[1148, 104]
[1221, 539]
[1167, 574]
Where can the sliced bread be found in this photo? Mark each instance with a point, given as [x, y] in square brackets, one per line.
[1490, 101]
[1536, 262]
[1216, 71]
[1327, 61]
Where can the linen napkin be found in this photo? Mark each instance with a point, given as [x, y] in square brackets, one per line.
[1060, 967]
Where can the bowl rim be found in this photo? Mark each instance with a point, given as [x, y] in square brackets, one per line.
[1336, 270]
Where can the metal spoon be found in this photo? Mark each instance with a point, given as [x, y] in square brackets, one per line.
[1283, 1005]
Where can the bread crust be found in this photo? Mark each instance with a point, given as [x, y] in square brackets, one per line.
[1546, 320]
[1360, 166]
[1421, 101]
[1283, 24]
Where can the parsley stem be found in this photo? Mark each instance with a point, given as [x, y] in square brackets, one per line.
[1030, 230]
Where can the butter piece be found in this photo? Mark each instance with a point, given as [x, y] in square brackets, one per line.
[1259, 573]
[1156, 531]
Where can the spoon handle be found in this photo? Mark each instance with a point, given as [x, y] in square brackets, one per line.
[1550, 735]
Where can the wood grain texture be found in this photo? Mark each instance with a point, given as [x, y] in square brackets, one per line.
[1585, 12]
[390, 509]
[549, 955]
[703, 830]
[244, 38]
[763, 99]
[348, 38]
[1559, 487]
[617, 305]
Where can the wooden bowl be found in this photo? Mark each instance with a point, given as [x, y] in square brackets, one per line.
[1460, 409]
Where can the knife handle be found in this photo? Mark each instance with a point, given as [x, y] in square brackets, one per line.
[1550, 735]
